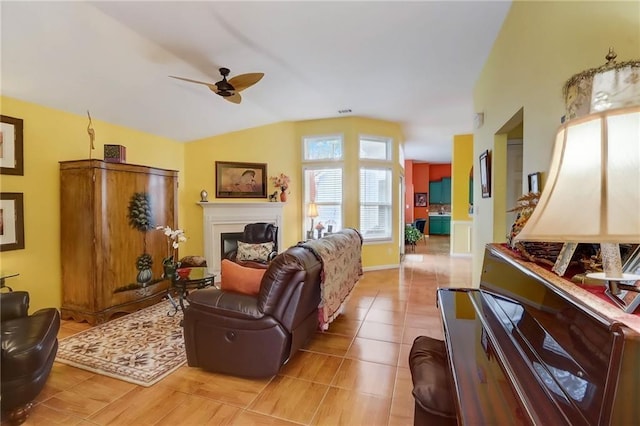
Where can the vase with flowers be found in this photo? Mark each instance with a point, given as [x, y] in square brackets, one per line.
[174, 238]
[281, 182]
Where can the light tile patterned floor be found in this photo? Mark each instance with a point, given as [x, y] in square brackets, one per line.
[355, 374]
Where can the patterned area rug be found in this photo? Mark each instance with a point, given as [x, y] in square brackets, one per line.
[141, 348]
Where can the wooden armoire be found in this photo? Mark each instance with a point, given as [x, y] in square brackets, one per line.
[110, 250]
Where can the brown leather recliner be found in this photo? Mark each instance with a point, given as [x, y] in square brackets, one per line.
[29, 347]
[257, 233]
[249, 336]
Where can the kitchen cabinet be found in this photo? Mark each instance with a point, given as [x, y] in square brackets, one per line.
[435, 192]
[446, 191]
[440, 225]
[440, 191]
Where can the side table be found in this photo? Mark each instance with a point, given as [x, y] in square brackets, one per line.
[187, 279]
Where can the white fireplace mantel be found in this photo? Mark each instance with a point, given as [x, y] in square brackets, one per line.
[222, 217]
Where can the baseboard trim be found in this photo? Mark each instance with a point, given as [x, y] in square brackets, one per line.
[461, 254]
[380, 267]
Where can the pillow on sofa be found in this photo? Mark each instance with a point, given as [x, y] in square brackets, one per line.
[240, 279]
[258, 252]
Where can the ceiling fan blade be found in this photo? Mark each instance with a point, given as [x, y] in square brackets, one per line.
[235, 98]
[209, 85]
[242, 81]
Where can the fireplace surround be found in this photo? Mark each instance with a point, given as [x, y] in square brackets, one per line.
[222, 218]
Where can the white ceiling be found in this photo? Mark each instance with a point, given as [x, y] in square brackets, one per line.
[410, 62]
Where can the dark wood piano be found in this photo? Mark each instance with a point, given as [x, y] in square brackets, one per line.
[528, 347]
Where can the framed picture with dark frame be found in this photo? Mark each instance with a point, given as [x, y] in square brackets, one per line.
[11, 221]
[241, 180]
[420, 199]
[534, 180]
[11, 148]
[485, 174]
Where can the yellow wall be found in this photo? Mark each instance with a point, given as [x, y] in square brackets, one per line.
[280, 146]
[374, 255]
[540, 46]
[461, 223]
[461, 165]
[51, 136]
[274, 144]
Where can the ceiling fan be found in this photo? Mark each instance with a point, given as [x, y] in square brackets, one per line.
[229, 90]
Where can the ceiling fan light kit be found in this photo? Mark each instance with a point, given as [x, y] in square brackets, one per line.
[229, 90]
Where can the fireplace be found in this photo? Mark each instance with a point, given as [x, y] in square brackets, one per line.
[221, 218]
[229, 242]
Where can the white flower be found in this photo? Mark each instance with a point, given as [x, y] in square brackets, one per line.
[174, 238]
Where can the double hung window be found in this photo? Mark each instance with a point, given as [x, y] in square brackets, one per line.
[323, 174]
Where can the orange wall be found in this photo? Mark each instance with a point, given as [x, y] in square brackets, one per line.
[408, 191]
[439, 171]
[420, 184]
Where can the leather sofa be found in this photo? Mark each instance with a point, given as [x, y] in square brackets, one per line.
[29, 347]
[253, 336]
[257, 233]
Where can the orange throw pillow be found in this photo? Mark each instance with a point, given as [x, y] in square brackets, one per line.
[240, 279]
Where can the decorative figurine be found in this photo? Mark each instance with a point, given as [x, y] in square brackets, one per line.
[92, 135]
[203, 196]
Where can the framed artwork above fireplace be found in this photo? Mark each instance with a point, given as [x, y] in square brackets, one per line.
[241, 180]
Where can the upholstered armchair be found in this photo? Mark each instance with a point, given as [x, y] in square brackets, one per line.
[252, 334]
[257, 247]
[29, 347]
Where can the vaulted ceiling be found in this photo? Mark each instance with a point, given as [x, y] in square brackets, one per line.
[414, 63]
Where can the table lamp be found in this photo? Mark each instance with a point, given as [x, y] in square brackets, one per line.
[312, 212]
[592, 194]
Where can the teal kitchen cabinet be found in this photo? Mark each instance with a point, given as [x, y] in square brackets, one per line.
[440, 191]
[435, 192]
[440, 225]
[446, 191]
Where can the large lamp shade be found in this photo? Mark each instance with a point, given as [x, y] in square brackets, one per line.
[592, 193]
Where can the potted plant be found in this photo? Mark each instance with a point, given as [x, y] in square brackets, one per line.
[411, 235]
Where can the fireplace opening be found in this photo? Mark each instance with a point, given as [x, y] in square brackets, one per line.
[229, 242]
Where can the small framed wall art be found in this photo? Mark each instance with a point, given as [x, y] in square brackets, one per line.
[485, 174]
[534, 182]
[420, 199]
[11, 148]
[11, 221]
[241, 180]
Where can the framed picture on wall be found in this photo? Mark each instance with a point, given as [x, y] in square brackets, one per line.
[11, 160]
[241, 180]
[11, 221]
[485, 174]
[534, 182]
[420, 199]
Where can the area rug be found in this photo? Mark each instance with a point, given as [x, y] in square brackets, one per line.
[141, 348]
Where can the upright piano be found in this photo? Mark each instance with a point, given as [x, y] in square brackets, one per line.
[529, 347]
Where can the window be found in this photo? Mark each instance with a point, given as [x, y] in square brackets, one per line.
[323, 186]
[323, 148]
[375, 203]
[375, 188]
[372, 148]
[323, 183]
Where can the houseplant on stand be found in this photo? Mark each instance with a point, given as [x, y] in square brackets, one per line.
[174, 238]
[411, 235]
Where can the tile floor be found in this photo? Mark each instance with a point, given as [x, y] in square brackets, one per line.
[355, 374]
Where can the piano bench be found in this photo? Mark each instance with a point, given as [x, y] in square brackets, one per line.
[430, 374]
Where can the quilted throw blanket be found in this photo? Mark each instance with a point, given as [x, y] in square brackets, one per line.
[341, 258]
